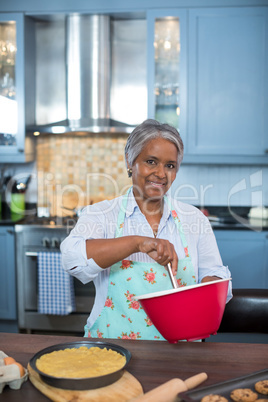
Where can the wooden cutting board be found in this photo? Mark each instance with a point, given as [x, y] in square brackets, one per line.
[126, 388]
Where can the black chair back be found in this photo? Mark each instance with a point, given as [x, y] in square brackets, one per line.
[246, 312]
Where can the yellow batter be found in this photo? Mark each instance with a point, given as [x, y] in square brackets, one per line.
[80, 362]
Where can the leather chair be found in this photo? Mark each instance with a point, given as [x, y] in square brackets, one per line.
[246, 312]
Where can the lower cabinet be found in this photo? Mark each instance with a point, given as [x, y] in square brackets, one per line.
[8, 309]
[246, 254]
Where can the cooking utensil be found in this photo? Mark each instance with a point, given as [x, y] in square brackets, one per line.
[226, 387]
[81, 383]
[172, 278]
[190, 312]
[21, 185]
[75, 211]
[168, 391]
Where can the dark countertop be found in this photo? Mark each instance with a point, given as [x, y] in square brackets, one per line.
[233, 218]
[247, 225]
[10, 219]
[153, 362]
[215, 225]
[11, 222]
[221, 218]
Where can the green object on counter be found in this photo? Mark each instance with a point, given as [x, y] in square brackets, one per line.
[17, 206]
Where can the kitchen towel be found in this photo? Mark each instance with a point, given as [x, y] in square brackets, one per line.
[55, 286]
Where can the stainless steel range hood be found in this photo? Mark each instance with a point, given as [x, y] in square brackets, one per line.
[88, 79]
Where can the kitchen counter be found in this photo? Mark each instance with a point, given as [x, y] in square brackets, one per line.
[220, 218]
[216, 225]
[7, 221]
[152, 362]
[219, 225]
[236, 218]
[247, 225]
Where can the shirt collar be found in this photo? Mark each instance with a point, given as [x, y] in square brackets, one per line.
[132, 205]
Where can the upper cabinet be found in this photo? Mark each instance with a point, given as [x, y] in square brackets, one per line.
[167, 68]
[227, 84]
[206, 75]
[14, 145]
[215, 79]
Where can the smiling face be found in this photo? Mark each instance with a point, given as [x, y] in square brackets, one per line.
[154, 170]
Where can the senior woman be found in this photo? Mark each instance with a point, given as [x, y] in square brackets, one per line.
[124, 245]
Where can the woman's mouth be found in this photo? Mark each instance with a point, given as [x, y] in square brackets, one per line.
[157, 184]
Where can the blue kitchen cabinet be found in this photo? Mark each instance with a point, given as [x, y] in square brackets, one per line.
[167, 66]
[220, 89]
[8, 309]
[15, 66]
[245, 252]
[222, 82]
[227, 116]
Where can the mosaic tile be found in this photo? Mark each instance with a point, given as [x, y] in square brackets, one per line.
[90, 168]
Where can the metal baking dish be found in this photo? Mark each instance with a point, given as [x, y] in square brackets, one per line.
[81, 383]
[226, 387]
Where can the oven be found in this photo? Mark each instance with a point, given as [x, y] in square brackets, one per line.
[30, 239]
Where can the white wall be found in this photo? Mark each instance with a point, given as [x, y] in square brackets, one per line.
[222, 185]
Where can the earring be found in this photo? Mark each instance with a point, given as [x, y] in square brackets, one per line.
[129, 172]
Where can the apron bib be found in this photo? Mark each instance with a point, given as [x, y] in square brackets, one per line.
[122, 317]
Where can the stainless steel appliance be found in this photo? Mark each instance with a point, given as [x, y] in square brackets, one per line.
[46, 234]
[92, 78]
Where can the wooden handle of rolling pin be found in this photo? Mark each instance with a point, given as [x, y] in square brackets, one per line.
[168, 391]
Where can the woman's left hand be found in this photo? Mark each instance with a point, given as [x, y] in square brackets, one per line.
[210, 279]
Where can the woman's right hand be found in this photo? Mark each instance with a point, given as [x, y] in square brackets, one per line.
[106, 252]
[160, 250]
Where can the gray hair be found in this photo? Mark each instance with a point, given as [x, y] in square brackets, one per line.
[147, 131]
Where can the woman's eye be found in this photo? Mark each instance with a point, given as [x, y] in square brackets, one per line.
[150, 161]
[171, 166]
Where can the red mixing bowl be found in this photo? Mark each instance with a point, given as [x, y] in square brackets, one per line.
[187, 313]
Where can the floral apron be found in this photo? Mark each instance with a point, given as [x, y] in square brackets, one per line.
[122, 316]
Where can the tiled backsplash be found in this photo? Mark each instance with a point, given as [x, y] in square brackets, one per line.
[74, 171]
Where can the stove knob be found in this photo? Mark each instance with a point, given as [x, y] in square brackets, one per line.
[46, 242]
[55, 242]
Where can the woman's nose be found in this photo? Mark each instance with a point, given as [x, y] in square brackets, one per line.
[160, 171]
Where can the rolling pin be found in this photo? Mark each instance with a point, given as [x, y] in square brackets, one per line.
[168, 391]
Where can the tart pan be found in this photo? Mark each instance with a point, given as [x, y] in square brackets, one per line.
[226, 387]
[81, 383]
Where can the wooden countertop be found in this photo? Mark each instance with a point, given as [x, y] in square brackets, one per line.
[152, 363]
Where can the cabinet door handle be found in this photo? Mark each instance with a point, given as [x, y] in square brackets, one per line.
[31, 253]
[266, 151]
[10, 231]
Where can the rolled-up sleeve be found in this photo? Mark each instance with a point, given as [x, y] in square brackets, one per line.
[73, 250]
[209, 259]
